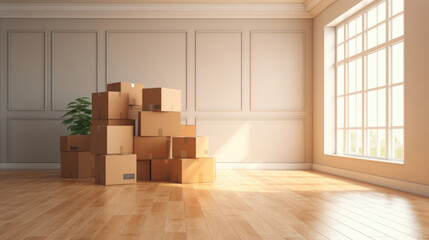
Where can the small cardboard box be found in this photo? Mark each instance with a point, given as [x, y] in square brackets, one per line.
[113, 122]
[115, 169]
[188, 131]
[161, 169]
[152, 147]
[74, 143]
[143, 170]
[190, 147]
[159, 124]
[194, 170]
[112, 139]
[162, 100]
[134, 91]
[77, 164]
[109, 105]
[133, 112]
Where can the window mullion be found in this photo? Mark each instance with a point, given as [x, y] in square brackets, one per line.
[345, 93]
[388, 67]
[363, 86]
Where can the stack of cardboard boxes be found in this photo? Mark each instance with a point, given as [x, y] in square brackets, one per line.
[156, 147]
[76, 160]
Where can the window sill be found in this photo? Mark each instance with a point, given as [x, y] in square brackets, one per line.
[366, 159]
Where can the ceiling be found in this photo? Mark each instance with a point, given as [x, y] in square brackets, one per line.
[163, 1]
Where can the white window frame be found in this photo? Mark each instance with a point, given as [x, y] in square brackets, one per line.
[387, 45]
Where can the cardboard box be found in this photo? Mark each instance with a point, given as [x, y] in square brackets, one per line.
[194, 170]
[134, 91]
[190, 147]
[188, 131]
[159, 123]
[143, 170]
[110, 105]
[113, 122]
[133, 112]
[112, 139]
[77, 164]
[152, 147]
[161, 169]
[115, 169]
[74, 143]
[162, 100]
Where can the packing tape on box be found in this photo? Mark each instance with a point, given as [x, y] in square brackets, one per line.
[160, 132]
[184, 153]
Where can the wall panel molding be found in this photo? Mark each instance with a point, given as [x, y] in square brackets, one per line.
[9, 69]
[304, 75]
[53, 32]
[108, 41]
[199, 109]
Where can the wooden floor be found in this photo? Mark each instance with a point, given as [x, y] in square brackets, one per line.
[242, 204]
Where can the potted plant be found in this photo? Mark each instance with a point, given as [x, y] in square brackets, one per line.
[78, 120]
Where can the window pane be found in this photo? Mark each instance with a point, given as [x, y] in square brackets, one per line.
[371, 38]
[359, 25]
[381, 78]
[398, 63]
[340, 80]
[340, 34]
[372, 17]
[359, 110]
[398, 106]
[398, 143]
[372, 70]
[381, 111]
[358, 74]
[381, 143]
[354, 142]
[340, 52]
[381, 12]
[352, 111]
[372, 142]
[359, 44]
[340, 112]
[359, 142]
[397, 6]
[340, 141]
[397, 26]
[352, 29]
[351, 47]
[381, 33]
[372, 108]
[352, 76]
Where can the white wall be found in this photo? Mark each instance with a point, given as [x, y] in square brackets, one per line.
[246, 83]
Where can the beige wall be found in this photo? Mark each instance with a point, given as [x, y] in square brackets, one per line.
[416, 166]
[246, 83]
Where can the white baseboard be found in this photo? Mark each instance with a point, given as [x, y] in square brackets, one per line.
[29, 165]
[265, 166]
[415, 188]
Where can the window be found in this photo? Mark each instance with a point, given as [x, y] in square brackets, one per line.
[370, 82]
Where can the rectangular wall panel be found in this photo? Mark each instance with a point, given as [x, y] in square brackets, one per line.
[157, 59]
[34, 140]
[218, 71]
[255, 140]
[26, 70]
[277, 71]
[74, 66]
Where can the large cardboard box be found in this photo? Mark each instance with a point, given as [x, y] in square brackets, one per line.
[159, 123]
[115, 169]
[74, 143]
[190, 147]
[152, 147]
[112, 139]
[188, 131]
[77, 164]
[134, 91]
[194, 170]
[162, 100]
[133, 112]
[143, 170]
[161, 169]
[110, 105]
[113, 122]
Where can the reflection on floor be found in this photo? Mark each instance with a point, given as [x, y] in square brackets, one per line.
[242, 204]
